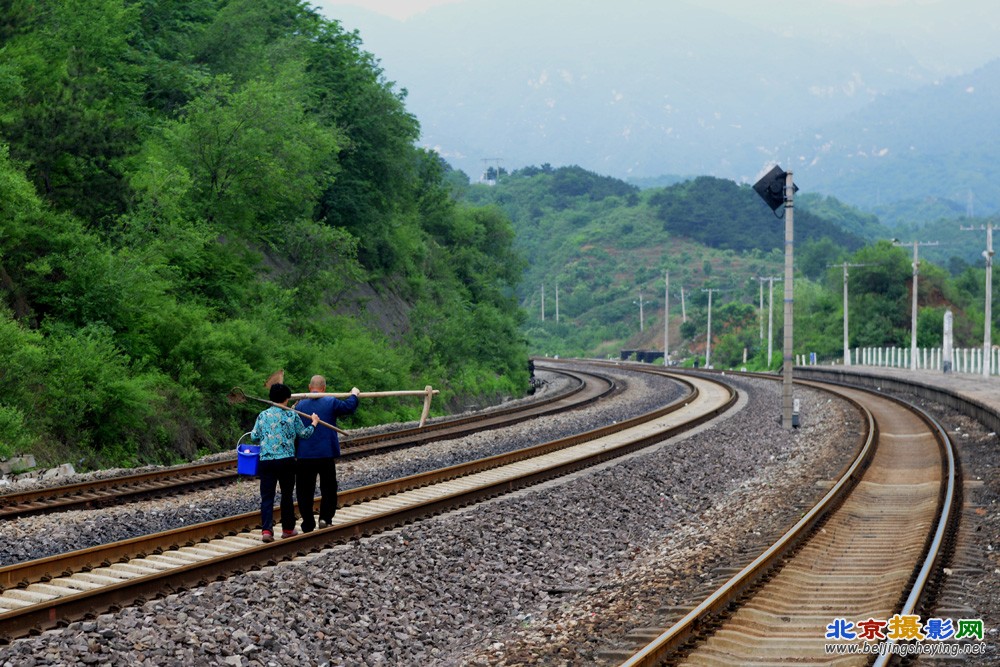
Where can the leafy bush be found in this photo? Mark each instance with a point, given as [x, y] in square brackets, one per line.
[15, 436]
[230, 189]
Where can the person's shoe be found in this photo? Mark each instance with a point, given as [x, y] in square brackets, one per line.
[266, 536]
[289, 533]
[323, 523]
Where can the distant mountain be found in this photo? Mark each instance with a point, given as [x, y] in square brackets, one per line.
[934, 144]
[871, 105]
[919, 211]
[597, 244]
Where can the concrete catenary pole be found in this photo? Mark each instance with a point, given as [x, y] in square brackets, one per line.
[666, 317]
[708, 337]
[641, 317]
[787, 354]
[770, 318]
[557, 303]
[847, 349]
[760, 307]
[946, 345]
[913, 307]
[988, 320]
[913, 318]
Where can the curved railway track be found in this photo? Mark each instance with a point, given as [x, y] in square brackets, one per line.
[585, 389]
[45, 593]
[866, 551]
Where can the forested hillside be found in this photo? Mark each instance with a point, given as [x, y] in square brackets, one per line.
[193, 195]
[601, 250]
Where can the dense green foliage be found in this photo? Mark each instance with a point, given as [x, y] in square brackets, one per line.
[604, 248]
[720, 214]
[193, 195]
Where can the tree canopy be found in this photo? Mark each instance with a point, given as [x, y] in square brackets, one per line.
[600, 251]
[193, 195]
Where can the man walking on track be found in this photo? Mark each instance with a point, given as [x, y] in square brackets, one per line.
[318, 455]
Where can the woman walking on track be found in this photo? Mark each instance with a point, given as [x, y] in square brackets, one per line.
[276, 430]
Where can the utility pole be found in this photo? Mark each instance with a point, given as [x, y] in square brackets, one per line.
[708, 338]
[557, 303]
[760, 307]
[641, 325]
[788, 358]
[913, 317]
[777, 189]
[847, 350]
[666, 317]
[496, 170]
[543, 302]
[988, 321]
[770, 317]
[684, 312]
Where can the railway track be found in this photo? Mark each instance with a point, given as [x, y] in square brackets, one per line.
[866, 552]
[585, 389]
[41, 594]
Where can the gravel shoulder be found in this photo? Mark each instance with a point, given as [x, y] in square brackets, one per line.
[556, 574]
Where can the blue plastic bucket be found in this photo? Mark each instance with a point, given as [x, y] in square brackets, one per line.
[247, 457]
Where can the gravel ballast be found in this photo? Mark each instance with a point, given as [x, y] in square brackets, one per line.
[40, 536]
[556, 574]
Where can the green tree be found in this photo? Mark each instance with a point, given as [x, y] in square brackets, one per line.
[245, 160]
[377, 166]
[78, 106]
[814, 257]
[197, 194]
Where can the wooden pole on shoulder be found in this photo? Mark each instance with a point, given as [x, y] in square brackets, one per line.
[366, 394]
[427, 392]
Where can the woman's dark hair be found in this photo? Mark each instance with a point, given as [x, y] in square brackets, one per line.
[279, 393]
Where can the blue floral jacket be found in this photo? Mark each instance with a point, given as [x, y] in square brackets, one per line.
[276, 431]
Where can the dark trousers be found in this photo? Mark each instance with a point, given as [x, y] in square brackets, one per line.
[278, 473]
[305, 490]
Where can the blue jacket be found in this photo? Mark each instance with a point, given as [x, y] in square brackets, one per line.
[276, 430]
[324, 442]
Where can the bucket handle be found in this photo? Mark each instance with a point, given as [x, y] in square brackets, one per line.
[240, 441]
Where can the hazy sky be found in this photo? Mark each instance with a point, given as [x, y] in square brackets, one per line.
[397, 9]
[650, 87]
[403, 9]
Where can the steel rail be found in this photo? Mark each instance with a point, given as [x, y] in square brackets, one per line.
[685, 628]
[720, 602]
[947, 516]
[106, 491]
[245, 551]
[23, 574]
[591, 388]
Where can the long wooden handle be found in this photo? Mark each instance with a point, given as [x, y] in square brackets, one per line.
[365, 394]
[299, 412]
[427, 393]
[320, 422]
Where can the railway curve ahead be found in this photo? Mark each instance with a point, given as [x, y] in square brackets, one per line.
[53, 591]
[868, 555]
